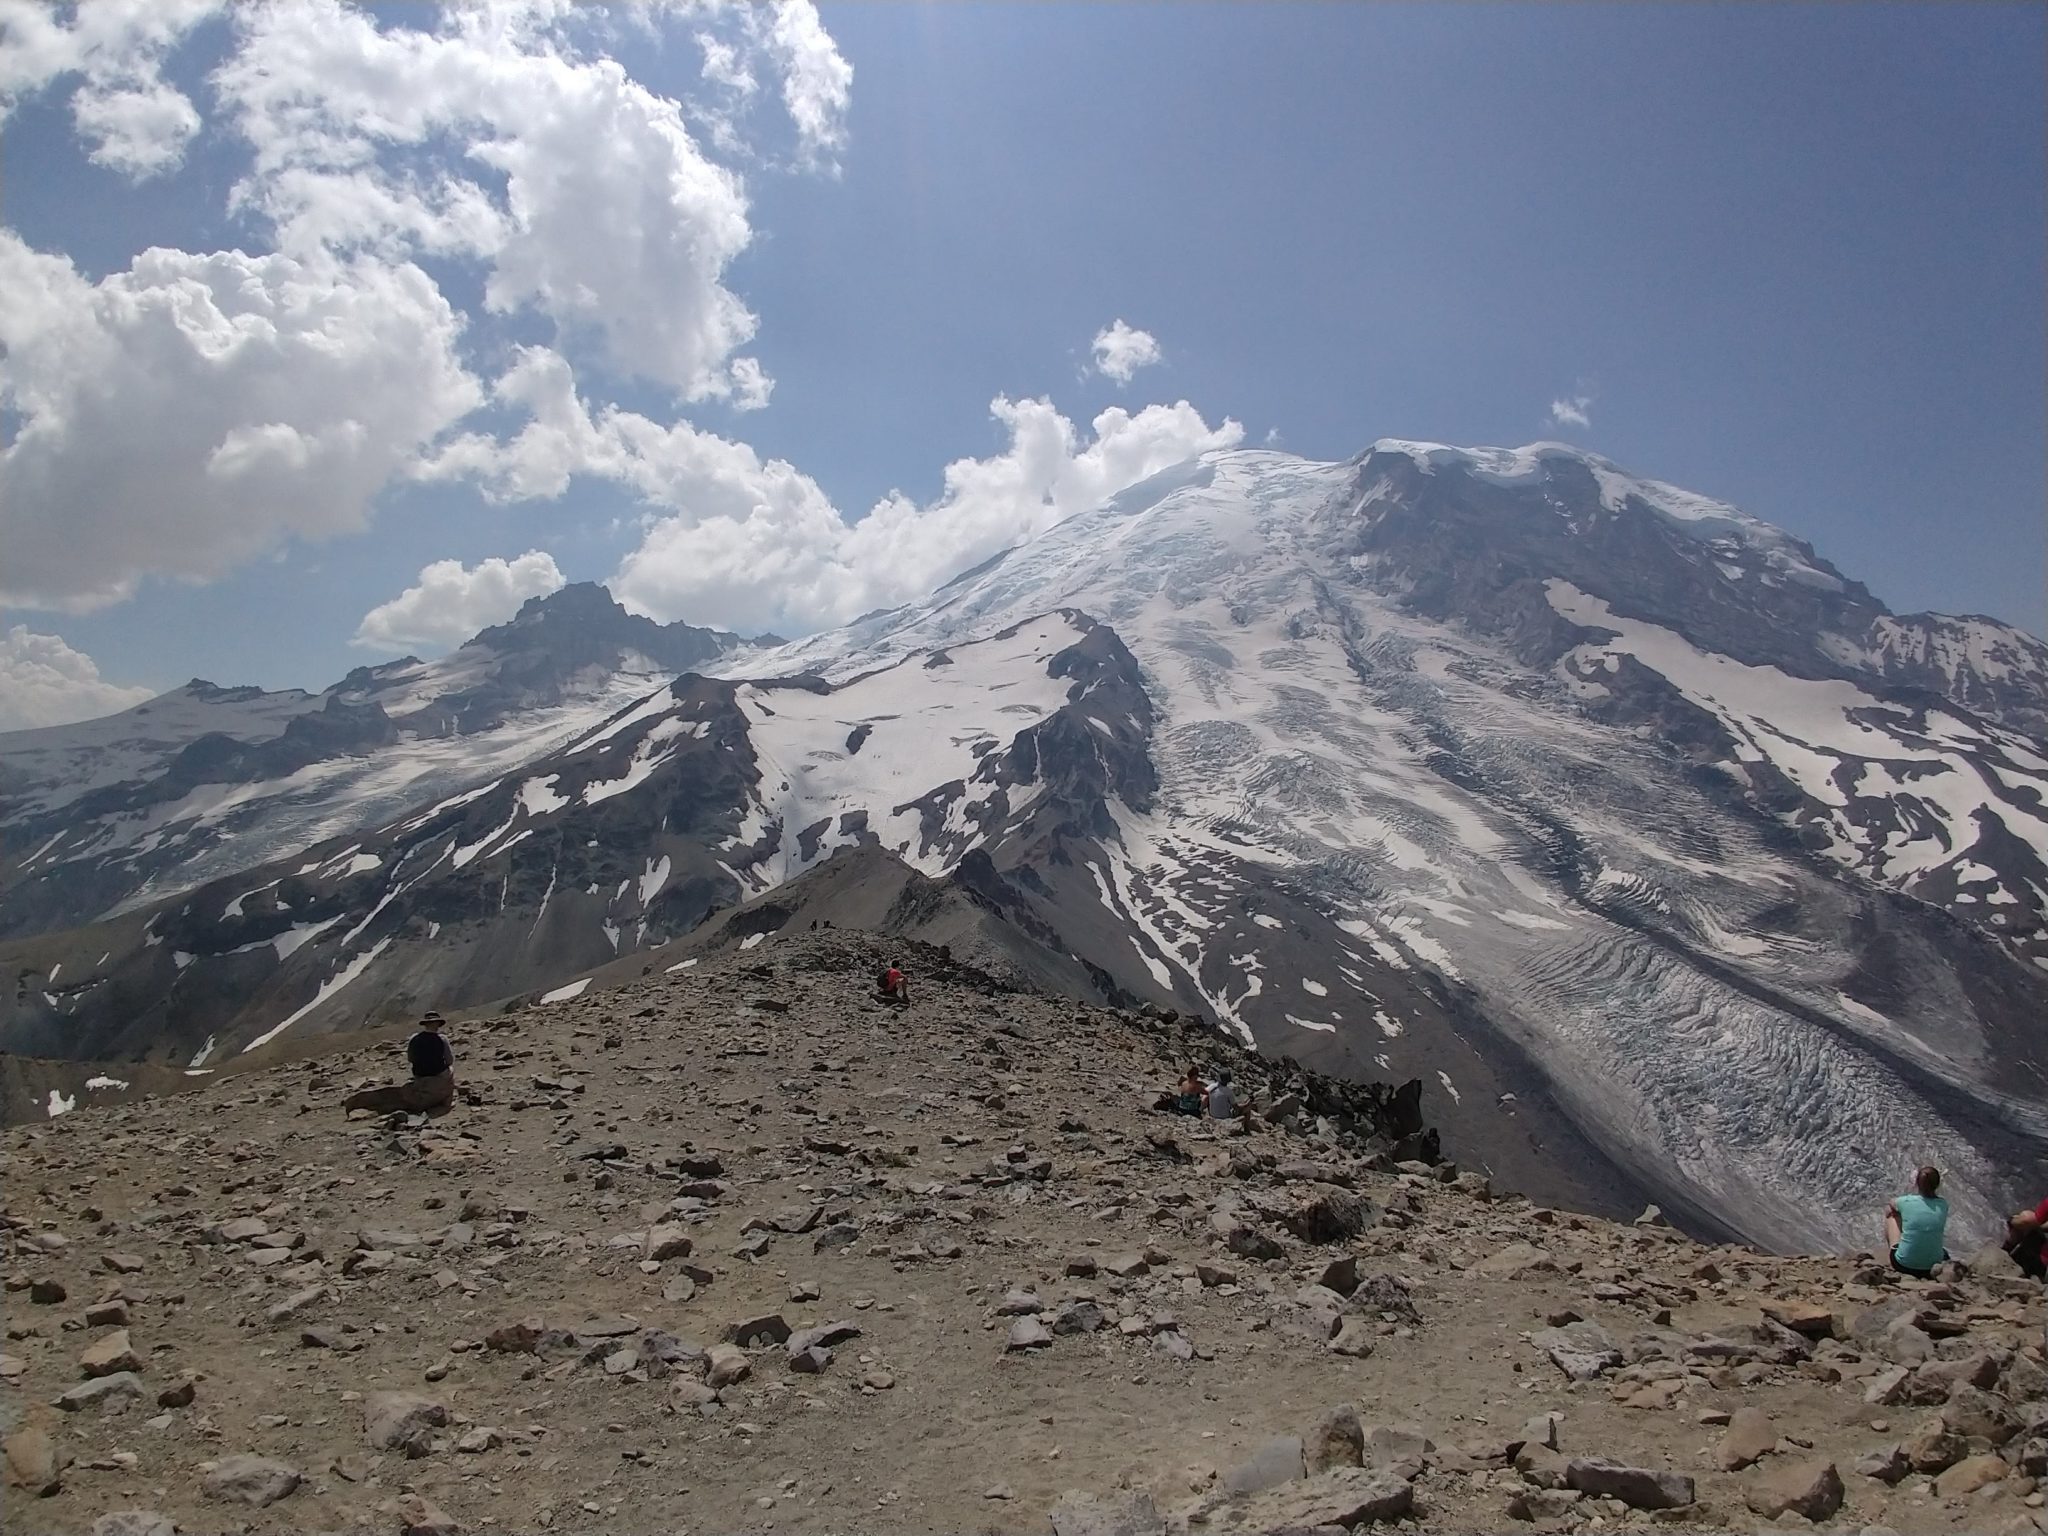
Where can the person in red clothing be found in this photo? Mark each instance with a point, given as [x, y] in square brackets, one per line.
[892, 984]
[2025, 1235]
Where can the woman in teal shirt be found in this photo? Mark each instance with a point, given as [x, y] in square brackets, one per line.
[1915, 1226]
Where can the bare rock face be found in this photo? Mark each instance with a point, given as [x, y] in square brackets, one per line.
[1812, 1488]
[256, 1480]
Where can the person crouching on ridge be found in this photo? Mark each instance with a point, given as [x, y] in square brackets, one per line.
[892, 986]
[433, 1077]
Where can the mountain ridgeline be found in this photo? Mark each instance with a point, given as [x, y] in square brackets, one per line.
[1662, 853]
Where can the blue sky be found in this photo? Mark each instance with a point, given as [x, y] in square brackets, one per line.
[1787, 256]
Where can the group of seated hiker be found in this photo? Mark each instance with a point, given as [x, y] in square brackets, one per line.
[1916, 1231]
[1194, 1095]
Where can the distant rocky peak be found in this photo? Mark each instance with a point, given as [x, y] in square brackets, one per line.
[584, 623]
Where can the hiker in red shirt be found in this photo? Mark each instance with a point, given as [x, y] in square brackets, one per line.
[2025, 1234]
[893, 985]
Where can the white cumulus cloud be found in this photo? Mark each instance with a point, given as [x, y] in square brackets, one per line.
[43, 681]
[1121, 351]
[185, 415]
[1572, 411]
[130, 119]
[737, 540]
[451, 602]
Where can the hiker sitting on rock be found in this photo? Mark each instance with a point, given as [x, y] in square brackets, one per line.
[1222, 1097]
[892, 985]
[2026, 1235]
[433, 1077]
[1915, 1226]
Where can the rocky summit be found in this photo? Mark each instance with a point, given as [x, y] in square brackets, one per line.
[737, 1247]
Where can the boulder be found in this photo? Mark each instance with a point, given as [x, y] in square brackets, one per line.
[1339, 1276]
[1329, 1215]
[403, 1422]
[668, 1241]
[1749, 1437]
[1077, 1317]
[1127, 1512]
[1387, 1298]
[1582, 1350]
[1354, 1338]
[1277, 1461]
[108, 1355]
[726, 1364]
[1401, 1449]
[768, 1328]
[1348, 1497]
[1970, 1474]
[1336, 1439]
[1545, 1504]
[1637, 1487]
[1934, 1447]
[1888, 1465]
[257, 1480]
[112, 1393]
[1803, 1317]
[1812, 1488]
[1515, 1260]
[418, 1516]
[32, 1461]
[1027, 1333]
[1977, 1415]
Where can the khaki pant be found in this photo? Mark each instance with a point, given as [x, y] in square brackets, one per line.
[415, 1097]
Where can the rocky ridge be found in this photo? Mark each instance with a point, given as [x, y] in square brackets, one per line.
[741, 1249]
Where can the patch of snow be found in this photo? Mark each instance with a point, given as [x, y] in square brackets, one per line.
[1315, 1024]
[682, 965]
[205, 1051]
[299, 935]
[1445, 1079]
[653, 879]
[751, 940]
[60, 1105]
[52, 977]
[1389, 1026]
[575, 988]
[104, 1082]
[1264, 921]
[1314, 988]
[328, 988]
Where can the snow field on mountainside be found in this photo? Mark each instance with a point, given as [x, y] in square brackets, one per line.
[1817, 733]
[928, 721]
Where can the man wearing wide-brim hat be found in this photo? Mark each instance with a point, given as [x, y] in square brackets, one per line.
[433, 1077]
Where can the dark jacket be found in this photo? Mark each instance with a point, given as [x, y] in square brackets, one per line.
[429, 1054]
